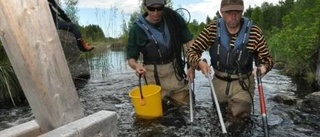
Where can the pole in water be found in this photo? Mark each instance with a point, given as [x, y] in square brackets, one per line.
[262, 104]
[215, 99]
[191, 90]
[223, 127]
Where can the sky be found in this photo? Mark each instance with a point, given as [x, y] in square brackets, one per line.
[110, 14]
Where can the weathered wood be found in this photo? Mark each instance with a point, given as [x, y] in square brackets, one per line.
[99, 124]
[32, 44]
[28, 129]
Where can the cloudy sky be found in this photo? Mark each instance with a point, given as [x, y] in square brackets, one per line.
[110, 14]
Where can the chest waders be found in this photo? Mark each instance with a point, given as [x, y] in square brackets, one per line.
[157, 50]
[236, 60]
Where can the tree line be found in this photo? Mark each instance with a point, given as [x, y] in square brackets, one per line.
[292, 28]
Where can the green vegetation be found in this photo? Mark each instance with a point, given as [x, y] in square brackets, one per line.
[92, 33]
[293, 32]
[8, 80]
[195, 27]
[71, 10]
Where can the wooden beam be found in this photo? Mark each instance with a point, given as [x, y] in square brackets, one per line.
[32, 44]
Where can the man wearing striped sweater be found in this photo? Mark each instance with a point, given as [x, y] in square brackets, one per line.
[233, 43]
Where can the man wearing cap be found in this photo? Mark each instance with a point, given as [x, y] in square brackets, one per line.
[158, 35]
[233, 43]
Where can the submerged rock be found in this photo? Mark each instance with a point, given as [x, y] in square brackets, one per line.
[285, 99]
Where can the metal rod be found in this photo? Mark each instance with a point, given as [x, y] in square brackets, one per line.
[223, 127]
[191, 90]
[215, 100]
[262, 104]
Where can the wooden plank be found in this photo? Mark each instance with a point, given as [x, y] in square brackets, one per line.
[32, 44]
[100, 124]
[28, 129]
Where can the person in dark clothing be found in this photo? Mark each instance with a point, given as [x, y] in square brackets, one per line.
[63, 22]
[159, 35]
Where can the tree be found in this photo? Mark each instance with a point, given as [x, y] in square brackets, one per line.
[217, 15]
[208, 20]
[71, 10]
[298, 40]
[92, 32]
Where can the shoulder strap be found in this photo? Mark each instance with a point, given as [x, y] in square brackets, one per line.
[141, 22]
[245, 30]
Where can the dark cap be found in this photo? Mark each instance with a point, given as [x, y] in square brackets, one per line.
[151, 2]
[227, 5]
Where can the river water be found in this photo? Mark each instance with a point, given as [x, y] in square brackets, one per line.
[112, 79]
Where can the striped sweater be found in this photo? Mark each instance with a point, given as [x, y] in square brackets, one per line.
[257, 44]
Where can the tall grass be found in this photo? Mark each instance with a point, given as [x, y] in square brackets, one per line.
[98, 65]
[6, 83]
[9, 85]
[104, 58]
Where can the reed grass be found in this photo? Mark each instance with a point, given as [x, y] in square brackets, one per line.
[9, 83]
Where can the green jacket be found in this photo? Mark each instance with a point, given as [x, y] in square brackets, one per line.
[138, 38]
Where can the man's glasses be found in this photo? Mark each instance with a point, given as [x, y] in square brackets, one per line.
[155, 8]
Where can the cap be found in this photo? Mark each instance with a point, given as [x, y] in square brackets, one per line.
[227, 5]
[151, 2]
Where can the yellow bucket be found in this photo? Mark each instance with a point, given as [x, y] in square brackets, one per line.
[152, 106]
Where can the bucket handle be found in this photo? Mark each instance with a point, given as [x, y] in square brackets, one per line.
[142, 101]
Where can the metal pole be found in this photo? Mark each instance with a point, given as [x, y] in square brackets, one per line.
[191, 90]
[223, 127]
[215, 99]
[262, 104]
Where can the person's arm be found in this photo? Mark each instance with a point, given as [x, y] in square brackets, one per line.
[189, 43]
[203, 42]
[190, 70]
[132, 49]
[264, 57]
[186, 47]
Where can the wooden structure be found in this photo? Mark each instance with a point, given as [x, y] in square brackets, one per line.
[30, 39]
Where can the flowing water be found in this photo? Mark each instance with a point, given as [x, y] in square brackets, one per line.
[112, 79]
